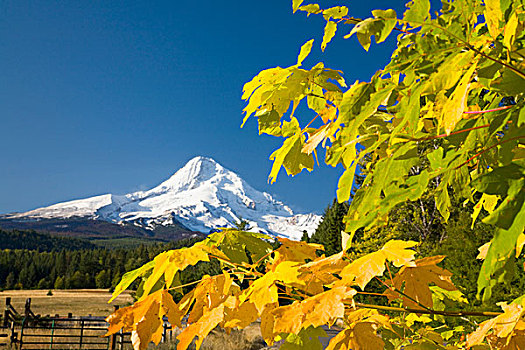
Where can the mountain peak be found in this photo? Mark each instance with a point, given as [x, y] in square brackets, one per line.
[202, 195]
[196, 171]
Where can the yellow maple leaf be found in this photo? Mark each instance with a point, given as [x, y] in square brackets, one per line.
[240, 316]
[144, 318]
[325, 308]
[297, 251]
[359, 337]
[321, 272]
[507, 329]
[263, 291]
[416, 281]
[201, 328]
[493, 16]
[454, 107]
[168, 263]
[321, 309]
[398, 252]
[267, 324]
[361, 271]
[209, 293]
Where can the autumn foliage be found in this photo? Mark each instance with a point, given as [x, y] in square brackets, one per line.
[445, 117]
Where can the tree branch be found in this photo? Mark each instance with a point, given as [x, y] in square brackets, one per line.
[488, 149]
[429, 311]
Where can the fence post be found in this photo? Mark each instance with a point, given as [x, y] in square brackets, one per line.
[21, 340]
[52, 334]
[121, 344]
[81, 333]
[113, 339]
[7, 312]
[27, 309]
[6, 318]
[12, 335]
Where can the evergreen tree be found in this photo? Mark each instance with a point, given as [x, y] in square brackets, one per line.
[102, 280]
[242, 225]
[10, 281]
[328, 233]
[305, 237]
[59, 283]
[43, 284]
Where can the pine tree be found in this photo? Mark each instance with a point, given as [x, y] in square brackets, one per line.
[329, 230]
[10, 281]
[305, 237]
[102, 280]
[59, 283]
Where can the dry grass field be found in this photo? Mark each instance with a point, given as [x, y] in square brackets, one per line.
[80, 302]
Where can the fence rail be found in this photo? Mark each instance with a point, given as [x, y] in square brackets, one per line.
[27, 331]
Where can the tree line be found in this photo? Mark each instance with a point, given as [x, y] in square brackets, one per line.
[71, 269]
[31, 240]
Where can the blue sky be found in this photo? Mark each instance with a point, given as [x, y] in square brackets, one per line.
[112, 97]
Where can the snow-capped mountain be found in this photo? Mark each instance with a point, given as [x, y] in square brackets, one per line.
[202, 195]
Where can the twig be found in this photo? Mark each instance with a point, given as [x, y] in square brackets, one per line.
[429, 311]
[488, 149]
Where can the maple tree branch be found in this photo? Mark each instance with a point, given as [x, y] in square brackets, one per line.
[185, 285]
[198, 281]
[489, 110]
[419, 56]
[468, 129]
[263, 257]
[310, 123]
[371, 293]
[429, 311]
[390, 273]
[240, 267]
[488, 149]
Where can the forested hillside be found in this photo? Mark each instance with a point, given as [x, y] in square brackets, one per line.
[70, 269]
[31, 240]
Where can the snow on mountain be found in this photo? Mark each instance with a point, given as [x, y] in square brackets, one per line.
[202, 195]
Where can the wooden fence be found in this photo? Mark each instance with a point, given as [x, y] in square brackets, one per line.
[33, 332]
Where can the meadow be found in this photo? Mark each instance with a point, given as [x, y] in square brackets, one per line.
[79, 302]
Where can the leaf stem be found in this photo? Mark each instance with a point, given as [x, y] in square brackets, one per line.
[488, 149]
[489, 110]
[453, 133]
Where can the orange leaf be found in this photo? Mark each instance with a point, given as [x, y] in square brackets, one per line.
[296, 251]
[322, 309]
[201, 328]
[320, 272]
[144, 318]
[360, 336]
[315, 139]
[416, 281]
[209, 293]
